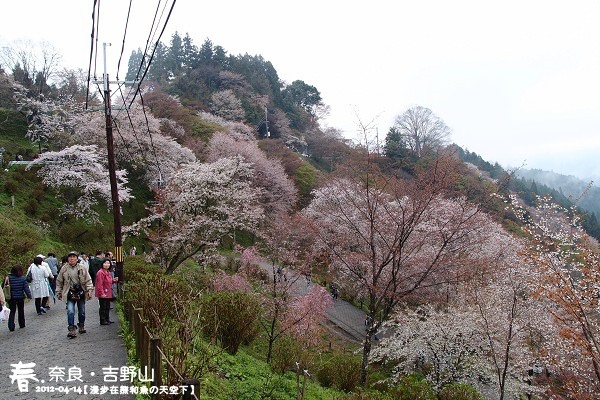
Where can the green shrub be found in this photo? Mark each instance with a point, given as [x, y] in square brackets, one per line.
[230, 317]
[78, 234]
[287, 352]
[11, 187]
[17, 240]
[38, 191]
[135, 267]
[413, 388]
[31, 206]
[160, 296]
[194, 275]
[459, 391]
[204, 129]
[377, 378]
[305, 179]
[341, 371]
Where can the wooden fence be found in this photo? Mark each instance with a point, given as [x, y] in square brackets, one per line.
[151, 356]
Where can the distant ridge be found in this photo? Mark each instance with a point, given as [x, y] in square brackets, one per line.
[583, 193]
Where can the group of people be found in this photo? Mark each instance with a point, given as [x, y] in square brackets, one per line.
[74, 279]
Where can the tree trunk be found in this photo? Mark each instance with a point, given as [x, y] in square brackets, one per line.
[365, 358]
[270, 351]
[509, 339]
[272, 338]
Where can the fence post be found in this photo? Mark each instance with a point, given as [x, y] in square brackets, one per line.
[155, 365]
[131, 308]
[137, 329]
[144, 356]
[193, 391]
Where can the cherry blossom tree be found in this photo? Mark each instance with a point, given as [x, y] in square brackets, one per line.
[391, 238]
[225, 104]
[139, 142]
[46, 117]
[222, 282]
[304, 317]
[288, 311]
[237, 130]
[201, 204]
[569, 276]
[287, 243]
[444, 344]
[510, 319]
[278, 191]
[488, 333]
[249, 257]
[79, 176]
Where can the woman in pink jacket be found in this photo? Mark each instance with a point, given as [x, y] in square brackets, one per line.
[104, 281]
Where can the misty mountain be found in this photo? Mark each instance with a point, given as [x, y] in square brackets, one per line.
[582, 193]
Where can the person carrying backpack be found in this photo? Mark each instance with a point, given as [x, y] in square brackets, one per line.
[74, 284]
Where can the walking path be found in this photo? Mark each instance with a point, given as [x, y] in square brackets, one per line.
[347, 320]
[91, 361]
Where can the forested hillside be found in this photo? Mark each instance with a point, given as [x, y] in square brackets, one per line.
[567, 191]
[224, 175]
[584, 194]
[240, 88]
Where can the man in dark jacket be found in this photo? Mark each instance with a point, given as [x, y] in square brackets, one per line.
[53, 264]
[19, 288]
[96, 264]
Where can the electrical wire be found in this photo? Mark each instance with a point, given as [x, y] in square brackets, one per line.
[148, 41]
[159, 19]
[116, 126]
[153, 52]
[97, 35]
[124, 35]
[151, 140]
[133, 130]
[151, 34]
[87, 94]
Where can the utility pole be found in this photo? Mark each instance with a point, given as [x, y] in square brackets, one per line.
[267, 122]
[112, 172]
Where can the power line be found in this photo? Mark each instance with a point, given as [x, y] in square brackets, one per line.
[124, 35]
[151, 140]
[151, 34]
[152, 55]
[155, 23]
[140, 149]
[96, 47]
[87, 94]
[148, 41]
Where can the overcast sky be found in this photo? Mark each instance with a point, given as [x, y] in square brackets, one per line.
[517, 81]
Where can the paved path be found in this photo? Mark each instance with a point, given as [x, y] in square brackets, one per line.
[346, 320]
[44, 342]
